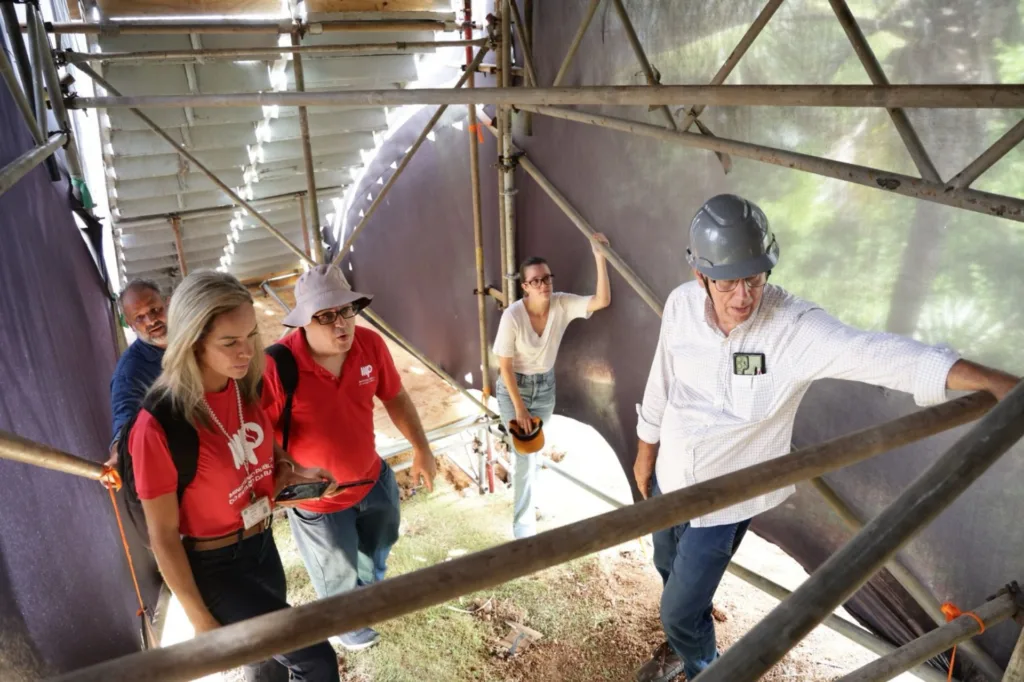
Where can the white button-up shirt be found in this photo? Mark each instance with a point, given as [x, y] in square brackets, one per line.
[711, 421]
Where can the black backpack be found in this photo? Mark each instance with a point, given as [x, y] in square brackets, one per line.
[183, 439]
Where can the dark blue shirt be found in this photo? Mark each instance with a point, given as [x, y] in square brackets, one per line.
[136, 371]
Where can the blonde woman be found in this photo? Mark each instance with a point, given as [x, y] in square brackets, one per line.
[212, 540]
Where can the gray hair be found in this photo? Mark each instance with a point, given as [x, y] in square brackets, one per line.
[137, 285]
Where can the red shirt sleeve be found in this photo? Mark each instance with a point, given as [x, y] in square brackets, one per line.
[389, 384]
[272, 399]
[155, 473]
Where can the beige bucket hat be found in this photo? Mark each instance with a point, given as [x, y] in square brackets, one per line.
[320, 288]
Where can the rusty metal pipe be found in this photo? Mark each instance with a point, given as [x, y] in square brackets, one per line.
[989, 157]
[577, 40]
[15, 448]
[307, 158]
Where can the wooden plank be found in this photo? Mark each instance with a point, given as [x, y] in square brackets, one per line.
[119, 9]
[376, 6]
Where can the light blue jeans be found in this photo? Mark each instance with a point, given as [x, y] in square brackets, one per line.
[538, 393]
[349, 548]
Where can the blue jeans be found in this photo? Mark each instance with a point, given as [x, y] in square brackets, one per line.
[538, 393]
[346, 549]
[691, 562]
[247, 580]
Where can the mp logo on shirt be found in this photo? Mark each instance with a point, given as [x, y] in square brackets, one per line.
[366, 375]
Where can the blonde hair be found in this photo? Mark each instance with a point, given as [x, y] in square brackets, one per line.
[197, 301]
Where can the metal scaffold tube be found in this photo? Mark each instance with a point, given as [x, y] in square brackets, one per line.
[15, 448]
[317, 241]
[933, 643]
[849, 568]
[271, 52]
[290, 629]
[969, 199]
[874, 96]
[17, 169]
[19, 95]
[134, 27]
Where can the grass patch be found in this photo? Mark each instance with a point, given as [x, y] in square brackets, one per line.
[443, 642]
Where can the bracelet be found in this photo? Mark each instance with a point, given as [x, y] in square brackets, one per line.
[286, 461]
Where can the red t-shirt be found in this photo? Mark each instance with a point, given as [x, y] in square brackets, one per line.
[332, 417]
[212, 504]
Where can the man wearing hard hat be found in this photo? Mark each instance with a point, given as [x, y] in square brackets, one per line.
[735, 356]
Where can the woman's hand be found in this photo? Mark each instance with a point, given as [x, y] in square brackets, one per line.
[203, 622]
[524, 419]
[599, 238]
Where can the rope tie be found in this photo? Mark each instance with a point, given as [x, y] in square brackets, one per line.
[112, 480]
[475, 128]
[952, 612]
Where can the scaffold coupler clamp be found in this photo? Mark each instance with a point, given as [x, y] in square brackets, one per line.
[1014, 590]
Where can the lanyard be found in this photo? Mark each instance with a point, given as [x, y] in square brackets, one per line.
[237, 442]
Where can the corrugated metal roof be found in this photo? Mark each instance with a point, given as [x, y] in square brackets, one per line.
[256, 151]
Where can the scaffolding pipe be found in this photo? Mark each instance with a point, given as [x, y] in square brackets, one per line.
[24, 106]
[478, 221]
[179, 245]
[933, 643]
[734, 57]
[989, 157]
[271, 52]
[132, 27]
[307, 157]
[874, 70]
[649, 297]
[21, 57]
[933, 96]
[196, 213]
[36, 82]
[972, 200]
[388, 330]
[301, 201]
[524, 42]
[835, 623]
[844, 572]
[56, 98]
[403, 164]
[17, 169]
[547, 463]
[102, 82]
[577, 40]
[506, 162]
[17, 449]
[289, 629]
[918, 592]
[641, 56]
[1015, 668]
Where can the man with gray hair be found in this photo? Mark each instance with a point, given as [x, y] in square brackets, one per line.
[145, 311]
[735, 357]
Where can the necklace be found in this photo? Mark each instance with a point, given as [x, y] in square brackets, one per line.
[241, 452]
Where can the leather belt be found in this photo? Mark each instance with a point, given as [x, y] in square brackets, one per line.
[206, 545]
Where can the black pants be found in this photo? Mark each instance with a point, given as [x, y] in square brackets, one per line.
[247, 580]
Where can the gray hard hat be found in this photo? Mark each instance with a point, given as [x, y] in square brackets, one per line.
[730, 239]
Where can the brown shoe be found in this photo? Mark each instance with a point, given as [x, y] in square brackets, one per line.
[664, 666]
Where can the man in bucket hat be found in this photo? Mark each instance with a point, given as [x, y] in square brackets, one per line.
[735, 357]
[333, 370]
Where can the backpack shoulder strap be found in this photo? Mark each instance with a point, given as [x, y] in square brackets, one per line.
[288, 373]
[182, 438]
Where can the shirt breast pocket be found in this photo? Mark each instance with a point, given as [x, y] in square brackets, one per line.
[752, 396]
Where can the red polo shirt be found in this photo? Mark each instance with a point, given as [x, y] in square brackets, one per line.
[212, 504]
[332, 417]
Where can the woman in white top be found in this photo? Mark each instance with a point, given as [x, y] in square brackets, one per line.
[529, 334]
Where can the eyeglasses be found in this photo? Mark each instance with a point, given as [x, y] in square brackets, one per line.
[538, 282]
[727, 285]
[331, 316]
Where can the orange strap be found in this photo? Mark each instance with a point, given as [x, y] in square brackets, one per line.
[112, 480]
[475, 128]
[950, 610]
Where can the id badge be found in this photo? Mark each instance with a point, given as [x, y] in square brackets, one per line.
[748, 364]
[256, 512]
